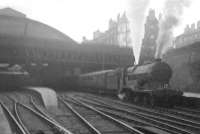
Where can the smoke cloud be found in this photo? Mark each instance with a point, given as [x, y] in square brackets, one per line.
[172, 13]
[137, 13]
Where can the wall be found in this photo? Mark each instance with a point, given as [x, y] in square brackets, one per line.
[185, 63]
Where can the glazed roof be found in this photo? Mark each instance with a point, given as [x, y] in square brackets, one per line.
[15, 23]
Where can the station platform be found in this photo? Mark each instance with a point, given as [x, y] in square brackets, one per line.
[48, 96]
[191, 95]
[191, 99]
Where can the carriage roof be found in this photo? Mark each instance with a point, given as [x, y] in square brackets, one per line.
[97, 73]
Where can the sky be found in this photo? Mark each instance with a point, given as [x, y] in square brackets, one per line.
[78, 18]
[190, 14]
[75, 18]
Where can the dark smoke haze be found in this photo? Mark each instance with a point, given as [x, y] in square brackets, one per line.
[172, 13]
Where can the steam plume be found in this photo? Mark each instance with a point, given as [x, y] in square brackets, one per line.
[137, 14]
[172, 13]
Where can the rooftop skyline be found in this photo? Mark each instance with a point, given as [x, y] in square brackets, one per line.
[79, 18]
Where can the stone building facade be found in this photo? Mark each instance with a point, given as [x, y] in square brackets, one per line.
[190, 35]
[185, 63]
[184, 59]
[151, 30]
[118, 33]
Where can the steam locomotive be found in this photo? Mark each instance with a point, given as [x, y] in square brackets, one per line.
[145, 84]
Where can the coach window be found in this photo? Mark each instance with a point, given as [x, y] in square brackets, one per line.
[97, 58]
[79, 57]
[31, 52]
[26, 52]
[131, 77]
[69, 55]
[63, 55]
[45, 54]
[39, 53]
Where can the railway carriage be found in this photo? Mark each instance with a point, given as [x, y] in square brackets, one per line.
[106, 81]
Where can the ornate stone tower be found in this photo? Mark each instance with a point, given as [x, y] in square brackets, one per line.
[123, 30]
[148, 47]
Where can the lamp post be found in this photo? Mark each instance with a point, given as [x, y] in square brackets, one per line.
[103, 61]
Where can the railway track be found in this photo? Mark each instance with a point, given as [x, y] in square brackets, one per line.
[8, 102]
[30, 116]
[96, 121]
[35, 121]
[188, 110]
[89, 114]
[14, 124]
[168, 122]
[180, 113]
[69, 120]
[177, 112]
[152, 122]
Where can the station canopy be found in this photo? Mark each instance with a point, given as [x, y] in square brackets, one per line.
[16, 24]
[20, 35]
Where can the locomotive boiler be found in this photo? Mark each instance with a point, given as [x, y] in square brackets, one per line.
[145, 84]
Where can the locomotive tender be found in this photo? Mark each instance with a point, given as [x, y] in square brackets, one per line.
[147, 83]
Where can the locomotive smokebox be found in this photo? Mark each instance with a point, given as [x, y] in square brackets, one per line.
[160, 71]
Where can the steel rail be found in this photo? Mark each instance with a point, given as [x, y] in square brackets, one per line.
[189, 123]
[133, 120]
[42, 112]
[19, 119]
[20, 128]
[181, 113]
[17, 115]
[57, 126]
[185, 113]
[147, 117]
[192, 111]
[144, 126]
[130, 128]
[91, 127]
[11, 98]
